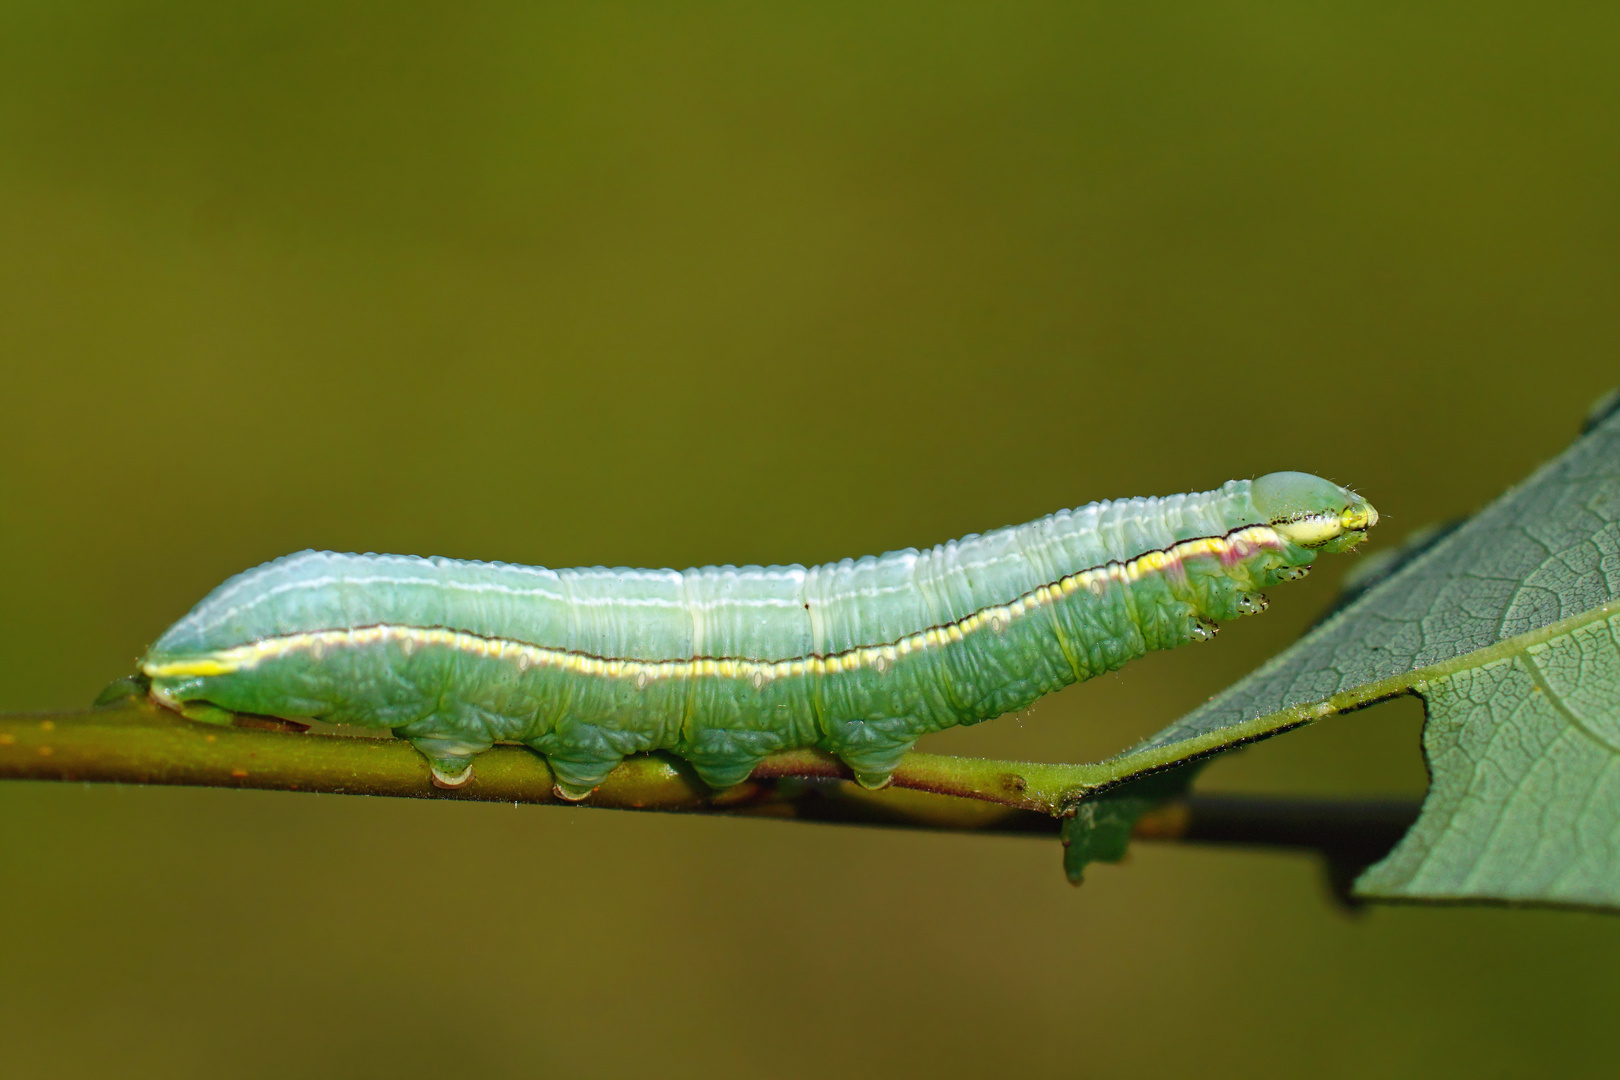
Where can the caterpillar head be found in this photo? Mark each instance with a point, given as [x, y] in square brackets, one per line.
[1312, 512]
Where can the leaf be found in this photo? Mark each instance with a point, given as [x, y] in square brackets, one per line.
[1525, 800]
[1503, 626]
[1100, 828]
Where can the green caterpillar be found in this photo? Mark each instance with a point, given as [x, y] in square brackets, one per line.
[724, 665]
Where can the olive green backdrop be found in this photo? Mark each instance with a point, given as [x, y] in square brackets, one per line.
[672, 284]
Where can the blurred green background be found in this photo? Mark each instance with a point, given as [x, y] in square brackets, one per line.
[656, 285]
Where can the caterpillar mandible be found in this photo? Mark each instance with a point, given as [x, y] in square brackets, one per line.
[724, 665]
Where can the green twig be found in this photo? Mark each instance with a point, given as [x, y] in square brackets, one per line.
[134, 741]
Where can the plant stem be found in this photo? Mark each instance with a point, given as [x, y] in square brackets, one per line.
[134, 741]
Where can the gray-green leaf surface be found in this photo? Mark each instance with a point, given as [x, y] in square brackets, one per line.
[1504, 627]
[1525, 800]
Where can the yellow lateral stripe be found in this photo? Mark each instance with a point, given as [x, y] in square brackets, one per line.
[1241, 544]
